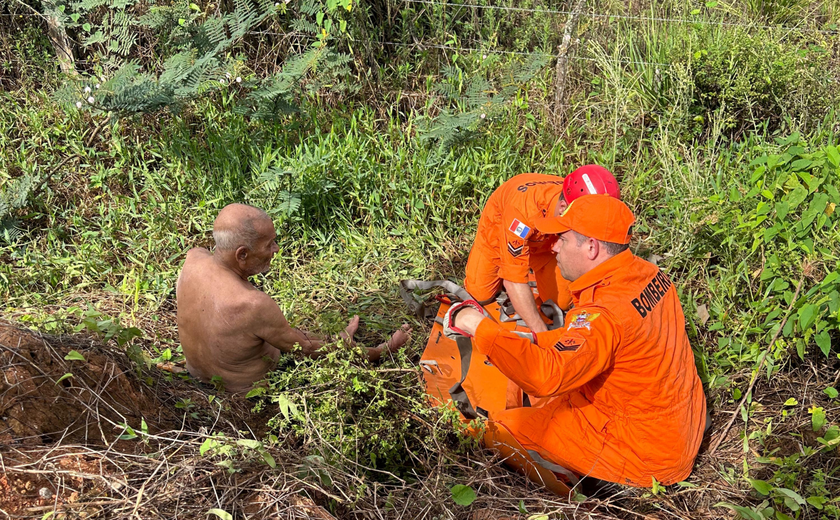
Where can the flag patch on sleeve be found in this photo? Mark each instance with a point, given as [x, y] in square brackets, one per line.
[519, 229]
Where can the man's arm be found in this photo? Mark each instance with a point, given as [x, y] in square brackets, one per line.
[515, 256]
[525, 305]
[561, 360]
[270, 325]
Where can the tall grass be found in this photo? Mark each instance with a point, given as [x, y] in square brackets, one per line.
[361, 202]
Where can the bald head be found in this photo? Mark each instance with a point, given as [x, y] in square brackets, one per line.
[236, 226]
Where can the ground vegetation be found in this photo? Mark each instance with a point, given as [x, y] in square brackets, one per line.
[373, 132]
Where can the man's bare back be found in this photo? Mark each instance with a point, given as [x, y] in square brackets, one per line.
[228, 327]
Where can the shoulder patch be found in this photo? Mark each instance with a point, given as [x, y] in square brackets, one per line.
[519, 229]
[569, 343]
[583, 321]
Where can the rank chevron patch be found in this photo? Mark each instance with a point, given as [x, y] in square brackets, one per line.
[515, 250]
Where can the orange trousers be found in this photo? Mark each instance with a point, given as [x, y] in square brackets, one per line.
[484, 283]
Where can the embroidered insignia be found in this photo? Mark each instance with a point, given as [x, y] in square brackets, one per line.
[583, 321]
[519, 229]
[515, 248]
[569, 344]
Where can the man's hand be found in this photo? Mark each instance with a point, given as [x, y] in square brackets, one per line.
[350, 330]
[523, 302]
[468, 315]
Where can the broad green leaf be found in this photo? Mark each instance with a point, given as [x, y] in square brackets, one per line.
[463, 495]
[817, 418]
[686, 484]
[249, 443]
[65, 376]
[793, 495]
[143, 426]
[817, 501]
[796, 197]
[287, 407]
[74, 355]
[807, 315]
[801, 164]
[221, 513]
[833, 155]
[791, 504]
[831, 392]
[831, 438]
[255, 392]
[268, 459]
[761, 486]
[208, 444]
[824, 342]
[743, 512]
[791, 402]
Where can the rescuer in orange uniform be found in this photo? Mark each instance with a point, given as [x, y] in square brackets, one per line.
[629, 405]
[507, 246]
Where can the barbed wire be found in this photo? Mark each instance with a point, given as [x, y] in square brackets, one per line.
[589, 15]
[424, 46]
[621, 16]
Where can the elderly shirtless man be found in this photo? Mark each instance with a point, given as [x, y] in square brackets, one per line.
[228, 327]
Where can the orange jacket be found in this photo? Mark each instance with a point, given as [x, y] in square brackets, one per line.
[633, 406]
[505, 230]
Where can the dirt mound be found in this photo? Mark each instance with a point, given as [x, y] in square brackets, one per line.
[40, 403]
[65, 448]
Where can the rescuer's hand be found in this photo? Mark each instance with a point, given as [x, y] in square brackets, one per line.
[469, 314]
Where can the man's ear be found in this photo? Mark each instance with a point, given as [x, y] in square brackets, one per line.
[594, 249]
[241, 253]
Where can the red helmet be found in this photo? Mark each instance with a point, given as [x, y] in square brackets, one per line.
[590, 180]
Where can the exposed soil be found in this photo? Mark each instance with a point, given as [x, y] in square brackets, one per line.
[61, 449]
[65, 448]
[38, 405]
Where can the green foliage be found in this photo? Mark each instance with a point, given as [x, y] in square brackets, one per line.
[331, 134]
[782, 226]
[475, 100]
[752, 77]
[353, 413]
[463, 495]
[14, 196]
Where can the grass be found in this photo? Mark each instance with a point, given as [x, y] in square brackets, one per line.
[361, 202]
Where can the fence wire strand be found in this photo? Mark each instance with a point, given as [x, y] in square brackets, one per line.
[621, 16]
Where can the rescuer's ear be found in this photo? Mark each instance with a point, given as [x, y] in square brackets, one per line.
[593, 248]
[561, 206]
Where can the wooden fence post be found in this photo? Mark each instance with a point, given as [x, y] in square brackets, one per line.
[560, 93]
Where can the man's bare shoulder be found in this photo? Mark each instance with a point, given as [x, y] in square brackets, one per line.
[256, 306]
[197, 253]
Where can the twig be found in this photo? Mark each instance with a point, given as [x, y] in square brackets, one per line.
[758, 370]
[96, 131]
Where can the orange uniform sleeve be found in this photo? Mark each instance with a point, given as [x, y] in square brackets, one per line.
[513, 245]
[561, 360]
